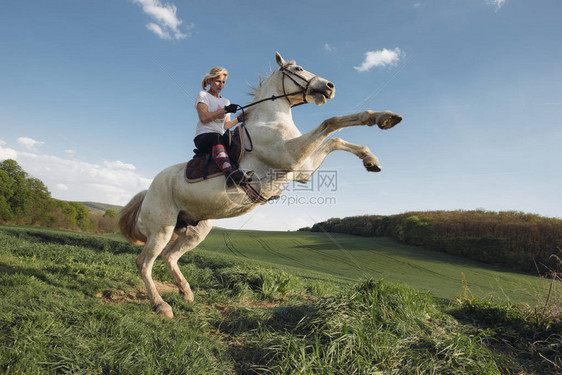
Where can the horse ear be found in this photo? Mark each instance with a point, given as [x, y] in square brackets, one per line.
[279, 59]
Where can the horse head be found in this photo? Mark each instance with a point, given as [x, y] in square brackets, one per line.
[301, 86]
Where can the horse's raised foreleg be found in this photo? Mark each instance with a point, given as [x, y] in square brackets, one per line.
[190, 237]
[302, 147]
[316, 159]
[384, 120]
[156, 243]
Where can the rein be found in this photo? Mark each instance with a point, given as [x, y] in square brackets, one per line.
[251, 192]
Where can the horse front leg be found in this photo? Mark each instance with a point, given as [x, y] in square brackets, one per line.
[370, 161]
[384, 120]
[301, 148]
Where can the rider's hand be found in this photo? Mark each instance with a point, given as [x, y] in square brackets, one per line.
[231, 108]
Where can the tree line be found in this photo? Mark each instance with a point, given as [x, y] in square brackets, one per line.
[25, 200]
[515, 240]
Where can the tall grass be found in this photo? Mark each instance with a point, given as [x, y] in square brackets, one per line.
[53, 321]
[71, 308]
[377, 328]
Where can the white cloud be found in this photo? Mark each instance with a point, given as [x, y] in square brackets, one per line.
[62, 187]
[7, 153]
[329, 48]
[167, 25]
[29, 143]
[70, 152]
[380, 58]
[158, 31]
[497, 3]
[114, 182]
[117, 164]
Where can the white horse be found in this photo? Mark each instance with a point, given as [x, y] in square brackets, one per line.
[278, 146]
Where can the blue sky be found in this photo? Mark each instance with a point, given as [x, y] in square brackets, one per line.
[96, 97]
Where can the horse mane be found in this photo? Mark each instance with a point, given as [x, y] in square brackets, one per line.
[257, 90]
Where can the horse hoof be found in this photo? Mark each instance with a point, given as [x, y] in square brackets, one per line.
[388, 119]
[187, 296]
[373, 168]
[372, 164]
[164, 310]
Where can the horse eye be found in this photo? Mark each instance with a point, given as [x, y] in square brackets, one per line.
[299, 69]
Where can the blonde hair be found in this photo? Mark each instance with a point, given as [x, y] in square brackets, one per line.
[214, 73]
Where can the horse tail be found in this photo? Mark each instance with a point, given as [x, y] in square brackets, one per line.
[128, 220]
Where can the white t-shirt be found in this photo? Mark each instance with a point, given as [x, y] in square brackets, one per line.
[213, 104]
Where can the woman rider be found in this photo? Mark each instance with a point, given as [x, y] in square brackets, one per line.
[214, 118]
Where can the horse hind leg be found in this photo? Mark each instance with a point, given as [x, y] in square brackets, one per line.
[187, 239]
[155, 244]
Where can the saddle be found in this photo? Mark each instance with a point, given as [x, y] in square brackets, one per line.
[202, 166]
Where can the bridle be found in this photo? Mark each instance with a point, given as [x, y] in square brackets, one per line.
[288, 74]
[293, 77]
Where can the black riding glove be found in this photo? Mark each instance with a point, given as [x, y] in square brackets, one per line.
[231, 108]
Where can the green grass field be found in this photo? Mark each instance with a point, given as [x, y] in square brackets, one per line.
[266, 303]
[345, 258]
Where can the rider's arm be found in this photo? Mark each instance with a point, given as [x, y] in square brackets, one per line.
[230, 124]
[205, 116]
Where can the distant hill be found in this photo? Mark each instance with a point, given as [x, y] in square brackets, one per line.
[101, 207]
[511, 239]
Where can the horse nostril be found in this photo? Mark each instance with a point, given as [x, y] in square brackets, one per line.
[330, 85]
